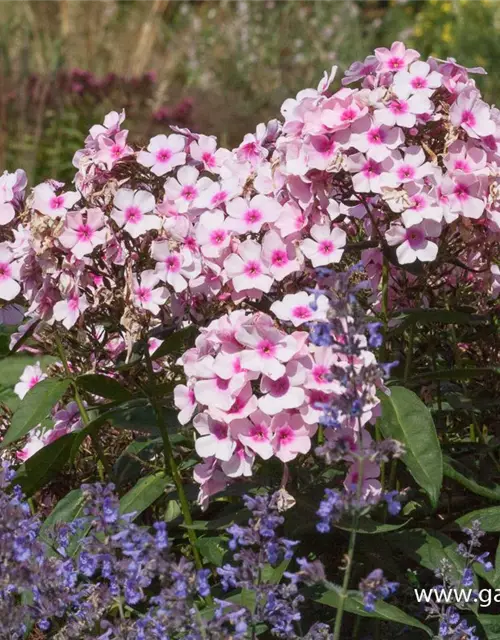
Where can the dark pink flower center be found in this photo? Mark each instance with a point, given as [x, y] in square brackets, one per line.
[189, 192]
[253, 269]
[56, 202]
[415, 237]
[286, 435]
[133, 214]
[163, 155]
[266, 349]
[468, 118]
[84, 233]
[5, 270]
[253, 216]
[419, 83]
[396, 63]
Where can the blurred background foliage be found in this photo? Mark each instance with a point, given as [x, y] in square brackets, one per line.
[216, 66]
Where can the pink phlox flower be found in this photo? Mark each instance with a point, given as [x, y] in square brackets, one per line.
[250, 215]
[69, 310]
[35, 443]
[402, 110]
[412, 167]
[286, 392]
[111, 125]
[246, 268]
[68, 419]
[240, 463]
[213, 233]
[291, 436]
[422, 206]
[146, 295]
[320, 151]
[370, 175]
[47, 202]
[297, 308]
[133, 211]
[376, 141]
[418, 79]
[9, 274]
[472, 114]
[326, 245]
[111, 150]
[292, 219]
[244, 404]
[359, 70]
[211, 479]
[467, 196]
[217, 194]
[465, 157]
[214, 438]
[186, 187]
[267, 349]
[213, 390]
[30, 377]
[395, 59]
[319, 374]
[342, 110]
[163, 153]
[279, 256]
[255, 433]
[204, 150]
[251, 150]
[369, 471]
[82, 235]
[185, 401]
[413, 242]
[176, 268]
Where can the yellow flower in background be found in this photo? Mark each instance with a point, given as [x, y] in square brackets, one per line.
[446, 33]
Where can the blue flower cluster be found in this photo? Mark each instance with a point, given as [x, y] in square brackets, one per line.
[452, 626]
[103, 576]
[258, 548]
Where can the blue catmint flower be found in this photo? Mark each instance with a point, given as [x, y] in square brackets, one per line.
[376, 587]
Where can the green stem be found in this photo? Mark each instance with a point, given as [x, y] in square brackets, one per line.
[350, 558]
[104, 466]
[409, 354]
[385, 310]
[171, 465]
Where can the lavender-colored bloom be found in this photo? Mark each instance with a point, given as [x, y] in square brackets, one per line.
[376, 587]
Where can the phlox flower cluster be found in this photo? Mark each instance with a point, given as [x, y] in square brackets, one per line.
[407, 162]
[250, 387]
[403, 165]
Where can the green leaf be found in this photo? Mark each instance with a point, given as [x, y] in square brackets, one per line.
[406, 418]
[145, 492]
[490, 625]
[449, 471]
[454, 374]
[428, 548]
[489, 519]
[66, 510]
[103, 386]
[34, 408]
[273, 575]
[437, 316]
[129, 465]
[177, 343]
[213, 549]
[45, 464]
[354, 604]
[368, 526]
